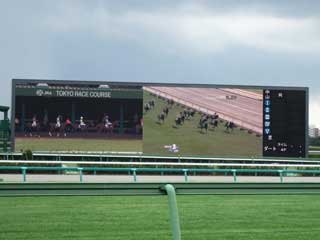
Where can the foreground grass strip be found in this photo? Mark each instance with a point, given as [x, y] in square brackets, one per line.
[146, 217]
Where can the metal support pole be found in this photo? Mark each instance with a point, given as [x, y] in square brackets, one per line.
[23, 115]
[234, 172]
[281, 176]
[174, 215]
[24, 174]
[121, 125]
[185, 172]
[73, 113]
[134, 175]
[80, 174]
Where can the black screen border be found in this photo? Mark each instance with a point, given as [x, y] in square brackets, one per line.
[17, 81]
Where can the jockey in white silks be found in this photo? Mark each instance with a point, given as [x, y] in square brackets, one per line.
[58, 122]
[34, 122]
[107, 122]
[82, 123]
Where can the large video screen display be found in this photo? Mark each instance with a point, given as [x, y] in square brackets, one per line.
[160, 119]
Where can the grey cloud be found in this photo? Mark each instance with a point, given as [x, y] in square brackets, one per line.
[143, 41]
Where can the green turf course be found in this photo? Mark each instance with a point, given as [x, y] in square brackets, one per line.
[254, 90]
[263, 217]
[315, 148]
[54, 144]
[189, 138]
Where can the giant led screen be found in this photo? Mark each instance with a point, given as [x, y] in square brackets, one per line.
[160, 119]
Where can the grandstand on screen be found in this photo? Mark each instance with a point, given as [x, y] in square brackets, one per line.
[60, 112]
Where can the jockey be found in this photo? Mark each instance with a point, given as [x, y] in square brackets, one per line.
[107, 122]
[34, 125]
[68, 125]
[58, 122]
[178, 116]
[34, 121]
[175, 148]
[172, 148]
[68, 122]
[82, 123]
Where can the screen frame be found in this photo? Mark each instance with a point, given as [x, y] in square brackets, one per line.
[16, 81]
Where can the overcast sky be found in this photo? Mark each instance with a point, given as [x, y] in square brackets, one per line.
[218, 42]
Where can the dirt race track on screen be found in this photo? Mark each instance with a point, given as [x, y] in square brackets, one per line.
[193, 141]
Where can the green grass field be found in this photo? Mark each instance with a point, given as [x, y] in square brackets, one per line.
[146, 217]
[254, 90]
[189, 138]
[65, 144]
[314, 148]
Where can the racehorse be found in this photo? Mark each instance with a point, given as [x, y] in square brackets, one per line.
[57, 129]
[107, 128]
[214, 123]
[231, 97]
[32, 129]
[147, 107]
[170, 103]
[178, 121]
[166, 111]
[183, 117]
[204, 125]
[152, 104]
[203, 119]
[229, 125]
[192, 112]
[161, 117]
[187, 113]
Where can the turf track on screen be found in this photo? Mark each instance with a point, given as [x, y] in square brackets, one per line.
[189, 137]
[286, 217]
[78, 144]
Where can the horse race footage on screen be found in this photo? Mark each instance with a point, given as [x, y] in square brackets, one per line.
[159, 119]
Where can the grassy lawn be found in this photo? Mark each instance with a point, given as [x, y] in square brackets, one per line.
[202, 217]
[190, 139]
[260, 91]
[65, 144]
[314, 147]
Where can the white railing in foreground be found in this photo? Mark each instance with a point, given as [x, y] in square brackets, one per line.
[140, 157]
[209, 165]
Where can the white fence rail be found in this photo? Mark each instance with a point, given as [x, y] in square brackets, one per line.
[157, 164]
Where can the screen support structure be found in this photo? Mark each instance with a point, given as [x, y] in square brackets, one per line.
[4, 130]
